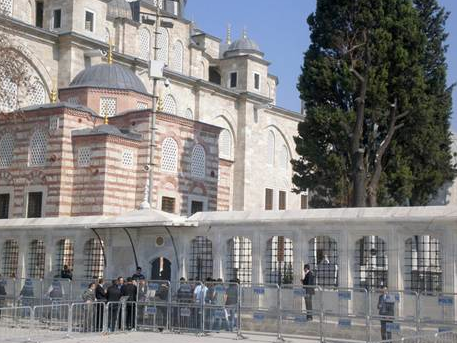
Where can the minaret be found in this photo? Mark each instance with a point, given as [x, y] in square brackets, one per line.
[229, 34]
[245, 32]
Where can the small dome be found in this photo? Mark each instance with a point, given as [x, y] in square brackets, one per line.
[119, 9]
[111, 76]
[244, 44]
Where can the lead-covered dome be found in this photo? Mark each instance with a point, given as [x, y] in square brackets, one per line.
[244, 45]
[119, 9]
[111, 76]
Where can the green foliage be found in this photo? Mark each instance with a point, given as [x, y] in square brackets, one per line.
[372, 60]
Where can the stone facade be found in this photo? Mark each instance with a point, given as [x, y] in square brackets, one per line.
[193, 58]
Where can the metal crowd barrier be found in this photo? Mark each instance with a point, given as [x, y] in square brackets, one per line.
[440, 337]
[154, 305]
[186, 307]
[51, 321]
[15, 324]
[87, 317]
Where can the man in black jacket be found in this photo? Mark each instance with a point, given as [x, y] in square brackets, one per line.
[386, 307]
[100, 296]
[130, 290]
[113, 295]
[308, 282]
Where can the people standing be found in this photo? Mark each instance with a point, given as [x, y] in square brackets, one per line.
[199, 298]
[66, 273]
[386, 310]
[100, 296]
[138, 275]
[113, 295]
[308, 283]
[89, 315]
[130, 290]
[219, 300]
[232, 303]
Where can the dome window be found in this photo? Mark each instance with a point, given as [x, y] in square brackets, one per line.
[6, 7]
[108, 106]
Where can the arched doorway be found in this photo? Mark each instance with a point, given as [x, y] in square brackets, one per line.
[161, 269]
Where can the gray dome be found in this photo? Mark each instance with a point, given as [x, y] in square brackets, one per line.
[112, 76]
[244, 44]
[119, 9]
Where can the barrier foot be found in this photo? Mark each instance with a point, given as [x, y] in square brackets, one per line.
[280, 339]
[240, 337]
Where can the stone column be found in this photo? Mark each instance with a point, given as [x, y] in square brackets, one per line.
[257, 257]
[346, 262]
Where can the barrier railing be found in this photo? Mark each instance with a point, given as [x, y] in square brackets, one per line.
[15, 324]
[440, 337]
[51, 320]
[87, 317]
[154, 305]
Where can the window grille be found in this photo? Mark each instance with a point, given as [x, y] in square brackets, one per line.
[89, 21]
[53, 123]
[64, 256]
[6, 7]
[38, 148]
[94, 262]
[35, 205]
[37, 258]
[141, 105]
[168, 204]
[178, 56]
[239, 264]
[189, 114]
[84, 156]
[271, 148]
[74, 100]
[169, 155]
[284, 157]
[198, 162]
[162, 45]
[6, 150]
[127, 158]
[268, 199]
[423, 272]
[145, 44]
[9, 102]
[371, 263]
[37, 94]
[169, 105]
[158, 3]
[323, 259]
[4, 205]
[108, 106]
[280, 260]
[282, 201]
[196, 206]
[225, 144]
[10, 258]
[201, 259]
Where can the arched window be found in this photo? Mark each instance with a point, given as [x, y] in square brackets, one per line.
[225, 144]
[37, 258]
[145, 44]
[198, 162]
[38, 148]
[158, 3]
[284, 158]
[64, 255]
[371, 263]
[162, 45]
[10, 258]
[178, 57]
[6, 7]
[94, 261]
[423, 272]
[280, 260]
[239, 263]
[37, 94]
[169, 155]
[271, 148]
[189, 114]
[323, 258]
[169, 105]
[201, 259]
[6, 150]
[9, 102]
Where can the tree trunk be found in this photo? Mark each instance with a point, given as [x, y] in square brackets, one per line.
[359, 195]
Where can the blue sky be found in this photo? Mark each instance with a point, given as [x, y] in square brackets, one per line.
[280, 28]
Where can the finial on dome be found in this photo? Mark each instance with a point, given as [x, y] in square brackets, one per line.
[245, 32]
[110, 52]
[105, 114]
[53, 96]
[229, 34]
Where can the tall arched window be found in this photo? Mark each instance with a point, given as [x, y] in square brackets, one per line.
[201, 259]
[94, 261]
[65, 255]
[6, 7]
[198, 162]
[189, 114]
[323, 258]
[239, 263]
[169, 105]
[225, 144]
[6, 150]
[37, 94]
[145, 44]
[177, 61]
[37, 258]
[162, 45]
[423, 272]
[280, 261]
[371, 262]
[284, 158]
[271, 148]
[9, 102]
[10, 258]
[169, 161]
[38, 148]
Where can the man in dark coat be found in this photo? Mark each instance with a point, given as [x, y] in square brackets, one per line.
[130, 290]
[386, 307]
[100, 296]
[113, 295]
[308, 282]
[66, 273]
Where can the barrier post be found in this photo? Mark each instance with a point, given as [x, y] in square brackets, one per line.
[279, 309]
[239, 335]
[368, 313]
[418, 311]
[321, 313]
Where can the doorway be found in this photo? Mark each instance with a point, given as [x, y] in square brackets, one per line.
[161, 269]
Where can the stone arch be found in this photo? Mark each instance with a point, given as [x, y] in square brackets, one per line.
[6, 179]
[36, 177]
[277, 130]
[227, 119]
